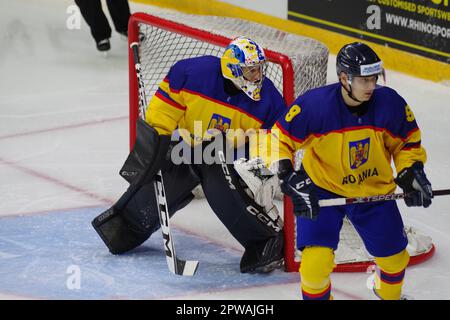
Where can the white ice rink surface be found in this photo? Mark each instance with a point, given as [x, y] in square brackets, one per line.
[63, 138]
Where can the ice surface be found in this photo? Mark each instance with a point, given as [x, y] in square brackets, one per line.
[63, 138]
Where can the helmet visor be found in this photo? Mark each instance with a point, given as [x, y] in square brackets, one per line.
[254, 74]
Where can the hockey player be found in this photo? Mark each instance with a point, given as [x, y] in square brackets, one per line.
[350, 131]
[215, 94]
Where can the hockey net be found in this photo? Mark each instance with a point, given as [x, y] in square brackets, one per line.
[296, 64]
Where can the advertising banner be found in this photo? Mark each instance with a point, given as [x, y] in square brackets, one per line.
[417, 26]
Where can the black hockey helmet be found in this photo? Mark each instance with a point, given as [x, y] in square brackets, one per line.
[359, 60]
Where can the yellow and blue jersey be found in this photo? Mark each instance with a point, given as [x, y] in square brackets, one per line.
[193, 97]
[346, 154]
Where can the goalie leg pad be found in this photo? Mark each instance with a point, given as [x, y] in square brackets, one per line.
[245, 219]
[264, 257]
[117, 232]
[258, 231]
[127, 228]
[134, 217]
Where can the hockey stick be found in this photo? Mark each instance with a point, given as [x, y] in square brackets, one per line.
[382, 197]
[137, 66]
[177, 266]
[377, 198]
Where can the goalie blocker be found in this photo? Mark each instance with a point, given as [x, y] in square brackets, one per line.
[134, 217]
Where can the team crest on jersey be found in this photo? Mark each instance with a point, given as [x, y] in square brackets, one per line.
[359, 152]
[219, 122]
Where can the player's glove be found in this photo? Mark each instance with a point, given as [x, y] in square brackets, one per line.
[299, 186]
[415, 185]
[260, 180]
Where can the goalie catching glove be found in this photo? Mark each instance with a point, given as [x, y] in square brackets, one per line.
[260, 180]
[302, 190]
[415, 185]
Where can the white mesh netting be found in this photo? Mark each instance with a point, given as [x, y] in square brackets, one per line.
[160, 49]
[351, 248]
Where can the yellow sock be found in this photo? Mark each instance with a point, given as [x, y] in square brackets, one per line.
[315, 269]
[390, 274]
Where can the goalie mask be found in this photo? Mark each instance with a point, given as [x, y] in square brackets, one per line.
[243, 62]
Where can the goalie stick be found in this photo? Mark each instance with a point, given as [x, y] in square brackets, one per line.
[381, 197]
[176, 266]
